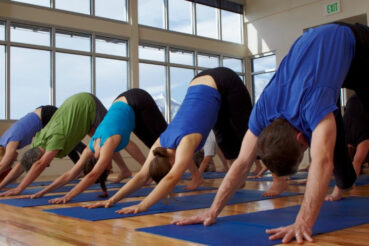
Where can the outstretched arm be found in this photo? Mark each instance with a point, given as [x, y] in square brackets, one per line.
[133, 184]
[106, 155]
[67, 176]
[322, 148]
[135, 152]
[33, 173]
[12, 175]
[232, 181]
[9, 157]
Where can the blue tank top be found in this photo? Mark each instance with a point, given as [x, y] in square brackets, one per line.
[22, 131]
[119, 120]
[197, 114]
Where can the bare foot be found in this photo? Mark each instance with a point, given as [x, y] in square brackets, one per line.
[336, 195]
[278, 186]
[196, 182]
[225, 169]
[121, 176]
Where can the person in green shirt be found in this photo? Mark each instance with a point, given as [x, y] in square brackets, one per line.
[78, 116]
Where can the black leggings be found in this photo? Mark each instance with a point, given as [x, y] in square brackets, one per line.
[74, 154]
[234, 112]
[150, 123]
[357, 80]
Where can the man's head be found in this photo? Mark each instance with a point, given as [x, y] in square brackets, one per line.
[30, 157]
[281, 147]
[161, 164]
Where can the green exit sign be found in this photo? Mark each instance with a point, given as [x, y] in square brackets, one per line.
[332, 7]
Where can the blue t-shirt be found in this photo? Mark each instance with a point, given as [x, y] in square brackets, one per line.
[119, 120]
[22, 131]
[307, 84]
[197, 114]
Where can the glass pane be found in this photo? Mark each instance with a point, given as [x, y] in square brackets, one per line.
[2, 81]
[206, 21]
[111, 46]
[233, 63]
[208, 61]
[151, 53]
[260, 81]
[181, 57]
[179, 81]
[264, 63]
[151, 13]
[80, 6]
[30, 34]
[231, 26]
[73, 41]
[44, 3]
[153, 80]
[111, 79]
[29, 80]
[112, 9]
[180, 16]
[2, 31]
[73, 75]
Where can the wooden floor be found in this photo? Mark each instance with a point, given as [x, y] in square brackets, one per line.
[31, 226]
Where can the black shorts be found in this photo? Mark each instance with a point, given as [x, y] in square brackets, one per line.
[150, 123]
[234, 112]
[47, 112]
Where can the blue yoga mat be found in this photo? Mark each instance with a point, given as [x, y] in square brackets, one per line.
[250, 228]
[361, 180]
[270, 178]
[86, 197]
[206, 175]
[69, 188]
[39, 183]
[181, 204]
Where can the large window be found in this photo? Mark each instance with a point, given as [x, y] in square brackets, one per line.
[80, 6]
[2, 81]
[73, 75]
[208, 18]
[165, 71]
[111, 9]
[153, 80]
[151, 13]
[30, 34]
[30, 80]
[180, 16]
[2, 31]
[263, 69]
[44, 72]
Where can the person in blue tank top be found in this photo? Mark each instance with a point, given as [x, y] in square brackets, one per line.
[130, 112]
[216, 99]
[297, 109]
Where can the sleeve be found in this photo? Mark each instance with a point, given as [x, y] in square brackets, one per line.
[56, 142]
[257, 121]
[320, 102]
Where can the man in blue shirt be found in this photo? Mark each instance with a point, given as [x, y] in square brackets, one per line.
[298, 108]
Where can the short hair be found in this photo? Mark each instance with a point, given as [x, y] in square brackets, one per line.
[2, 152]
[30, 157]
[278, 148]
[160, 165]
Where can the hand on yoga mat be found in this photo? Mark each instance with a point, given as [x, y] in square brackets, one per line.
[207, 218]
[299, 230]
[135, 209]
[59, 200]
[105, 204]
[32, 196]
[11, 192]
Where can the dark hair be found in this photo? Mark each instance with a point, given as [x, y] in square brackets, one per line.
[160, 165]
[278, 148]
[2, 152]
[89, 165]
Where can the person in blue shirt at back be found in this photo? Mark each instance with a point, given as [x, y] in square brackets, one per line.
[297, 109]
